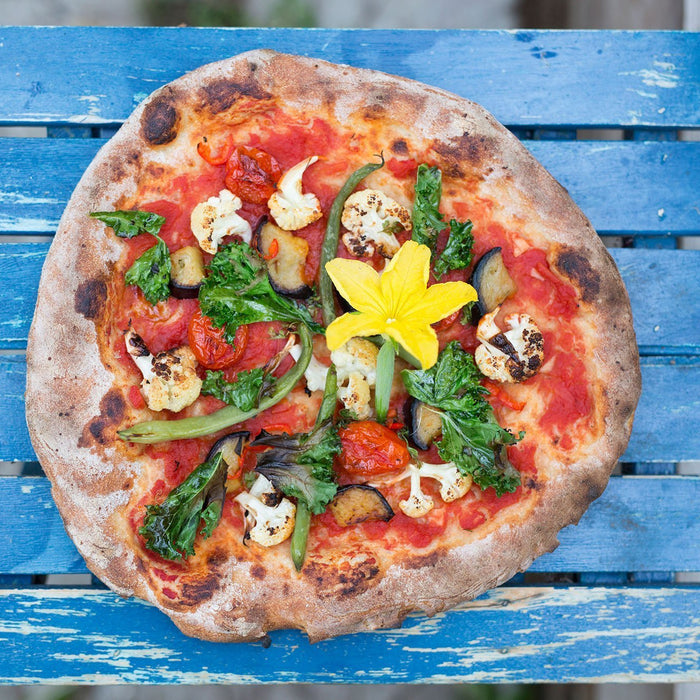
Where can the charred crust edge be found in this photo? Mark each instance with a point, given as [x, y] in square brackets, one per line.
[161, 118]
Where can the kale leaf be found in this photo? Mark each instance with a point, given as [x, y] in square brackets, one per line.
[130, 223]
[150, 272]
[243, 393]
[237, 291]
[170, 528]
[457, 254]
[301, 465]
[471, 436]
[427, 219]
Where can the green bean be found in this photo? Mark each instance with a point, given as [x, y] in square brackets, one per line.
[329, 248]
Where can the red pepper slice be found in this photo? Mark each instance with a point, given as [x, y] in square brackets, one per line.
[219, 156]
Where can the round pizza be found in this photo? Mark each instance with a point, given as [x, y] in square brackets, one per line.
[317, 347]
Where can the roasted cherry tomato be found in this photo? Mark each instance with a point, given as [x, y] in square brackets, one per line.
[208, 344]
[252, 174]
[369, 448]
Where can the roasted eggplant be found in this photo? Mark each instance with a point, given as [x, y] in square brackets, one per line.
[425, 424]
[231, 446]
[286, 255]
[492, 282]
[359, 503]
[186, 272]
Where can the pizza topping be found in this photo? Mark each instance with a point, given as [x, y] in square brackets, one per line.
[372, 219]
[252, 174]
[285, 255]
[150, 432]
[291, 208]
[513, 356]
[130, 223]
[170, 378]
[428, 223]
[269, 518]
[359, 503]
[329, 249]
[231, 448]
[492, 281]
[216, 218]
[369, 449]
[209, 343]
[237, 291]
[315, 373]
[471, 437]
[186, 272]
[170, 528]
[397, 304]
[356, 365]
[453, 485]
[425, 424]
[244, 392]
[218, 156]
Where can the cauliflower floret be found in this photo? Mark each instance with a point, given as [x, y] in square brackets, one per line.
[372, 218]
[513, 356]
[418, 503]
[216, 218]
[356, 365]
[269, 519]
[291, 208]
[315, 374]
[453, 485]
[170, 379]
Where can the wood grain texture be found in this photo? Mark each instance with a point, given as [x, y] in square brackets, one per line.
[625, 530]
[513, 635]
[563, 79]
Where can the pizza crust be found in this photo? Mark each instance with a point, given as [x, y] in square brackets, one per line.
[75, 404]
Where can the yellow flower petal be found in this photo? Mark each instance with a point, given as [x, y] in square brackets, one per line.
[439, 301]
[405, 278]
[357, 283]
[419, 340]
[352, 324]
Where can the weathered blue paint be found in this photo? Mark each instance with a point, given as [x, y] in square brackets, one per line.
[626, 529]
[544, 86]
[518, 634]
[563, 79]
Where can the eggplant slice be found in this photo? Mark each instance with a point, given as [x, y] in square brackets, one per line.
[425, 424]
[492, 282]
[186, 272]
[231, 446]
[286, 255]
[359, 503]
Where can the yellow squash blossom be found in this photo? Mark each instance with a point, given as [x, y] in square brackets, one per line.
[398, 303]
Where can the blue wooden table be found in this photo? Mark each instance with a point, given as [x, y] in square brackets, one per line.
[608, 604]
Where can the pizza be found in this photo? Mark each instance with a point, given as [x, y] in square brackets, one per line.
[317, 347]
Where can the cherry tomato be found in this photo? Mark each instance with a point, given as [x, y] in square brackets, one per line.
[252, 174]
[209, 346]
[447, 322]
[369, 448]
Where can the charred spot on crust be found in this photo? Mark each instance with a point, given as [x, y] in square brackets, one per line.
[400, 147]
[160, 119]
[100, 429]
[90, 298]
[422, 561]
[576, 267]
[465, 149]
[344, 578]
[374, 112]
[194, 592]
[257, 572]
[219, 95]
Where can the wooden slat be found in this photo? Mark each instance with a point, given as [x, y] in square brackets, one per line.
[653, 182]
[513, 635]
[626, 529]
[563, 79]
